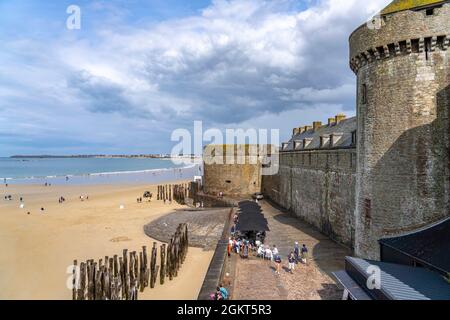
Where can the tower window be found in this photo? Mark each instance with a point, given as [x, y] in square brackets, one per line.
[391, 48]
[353, 138]
[440, 42]
[381, 52]
[364, 94]
[403, 48]
[415, 45]
[427, 48]
[368, 208]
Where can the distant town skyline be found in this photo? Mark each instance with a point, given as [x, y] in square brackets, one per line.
[137, 70]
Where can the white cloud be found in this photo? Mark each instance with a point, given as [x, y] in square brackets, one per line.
[234, 60]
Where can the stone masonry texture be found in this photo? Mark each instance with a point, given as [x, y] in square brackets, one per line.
[403, 77]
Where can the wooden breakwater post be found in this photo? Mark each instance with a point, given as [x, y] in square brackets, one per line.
[177, 192]
[177, 250]
[74, 280]
[162, 274]
[121, 278]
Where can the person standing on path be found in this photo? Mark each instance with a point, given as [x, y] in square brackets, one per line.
[275, 251]
[304, 253]
[291, 260]
[277, 260]
[296, 252]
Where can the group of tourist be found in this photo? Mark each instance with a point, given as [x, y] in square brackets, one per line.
[61, 200]
[298, 255]
[220, 294]
[243, 247]
[10, 198]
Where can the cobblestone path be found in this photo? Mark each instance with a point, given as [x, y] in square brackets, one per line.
[256, 279]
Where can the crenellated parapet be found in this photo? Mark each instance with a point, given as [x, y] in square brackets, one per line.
[400, 48]
[422, 31]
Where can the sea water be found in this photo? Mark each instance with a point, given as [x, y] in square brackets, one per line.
[94, 170]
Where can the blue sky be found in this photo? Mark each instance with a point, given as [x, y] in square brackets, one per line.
[138, 69]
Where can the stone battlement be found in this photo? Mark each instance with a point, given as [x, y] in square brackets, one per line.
[410, 46]
[401, 33]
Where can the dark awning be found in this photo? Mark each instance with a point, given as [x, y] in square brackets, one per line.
[245, 211]
[253, 225]
[430, 245]
[251, 217]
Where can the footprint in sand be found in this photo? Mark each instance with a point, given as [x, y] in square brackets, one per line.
[120, 239]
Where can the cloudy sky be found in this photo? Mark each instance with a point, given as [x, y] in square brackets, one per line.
[138, 69]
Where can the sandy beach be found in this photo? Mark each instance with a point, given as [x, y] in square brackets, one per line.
[36, 249]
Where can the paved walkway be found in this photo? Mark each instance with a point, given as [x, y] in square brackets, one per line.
[256, 279]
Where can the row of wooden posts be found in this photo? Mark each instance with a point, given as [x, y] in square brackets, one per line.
[121, 278]
[179, 192]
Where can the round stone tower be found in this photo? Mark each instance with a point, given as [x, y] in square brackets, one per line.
[402, 65]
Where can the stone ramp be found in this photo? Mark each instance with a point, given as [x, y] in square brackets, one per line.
[205, 227]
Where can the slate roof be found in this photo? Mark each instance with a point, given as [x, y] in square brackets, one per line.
[399, 282]
[430, 245]
[343, 129]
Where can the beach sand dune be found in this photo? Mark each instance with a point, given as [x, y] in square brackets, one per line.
[36, 250]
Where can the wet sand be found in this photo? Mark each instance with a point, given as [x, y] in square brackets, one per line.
[37, 249]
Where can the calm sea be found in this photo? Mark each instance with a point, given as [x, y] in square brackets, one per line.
[93, 170]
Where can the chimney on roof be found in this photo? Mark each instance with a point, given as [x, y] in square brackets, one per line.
[306, 128]
[340, 117]
[295, 131]
[317, 125]
[331, 121]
